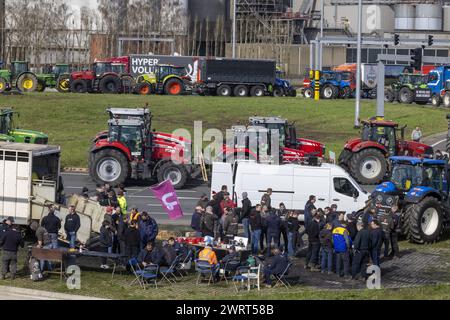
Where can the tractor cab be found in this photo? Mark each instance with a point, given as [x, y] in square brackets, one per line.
[18, 67]
[118, 68]
[8, 131]
[162, 71]
[287, 133]
[100, 68]
[383, 133]
[60, 69]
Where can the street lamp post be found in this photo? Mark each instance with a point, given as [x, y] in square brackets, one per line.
[234, 29]
[358, 67]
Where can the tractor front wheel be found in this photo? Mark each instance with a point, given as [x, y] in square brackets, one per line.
[436, 100]
[177, 174]
[330, 92]
[109, 166]
[27, 82]
[308, 93]
[389, 96]
[78, 86]
[446, 100]
[2, 85]
[426, 221]
[406, 96]
[173, 87]
[143, 89]
[368, 166]
[63, 85]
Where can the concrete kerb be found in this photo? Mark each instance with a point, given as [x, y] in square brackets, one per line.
[43, 294]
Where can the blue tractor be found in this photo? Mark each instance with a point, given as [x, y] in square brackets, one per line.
[283, 87]
[333, 85]
[420, 190]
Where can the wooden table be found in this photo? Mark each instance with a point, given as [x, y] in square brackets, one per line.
[222, 252]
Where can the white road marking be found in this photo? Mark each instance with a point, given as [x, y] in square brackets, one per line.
[438, 143]
[151, 197]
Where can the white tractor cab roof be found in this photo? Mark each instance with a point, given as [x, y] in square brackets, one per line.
[292, 185]
[264, 120]
[124, 113]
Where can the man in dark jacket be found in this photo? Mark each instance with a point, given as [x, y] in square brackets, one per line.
[105, 241]
[231, 223]
[282, 212]
[208, 222]
[148, 228]
[52, 224]
[396, 216]
[196, 221]
[121, 230]
[293, 225]
[266, 199]
[308, 210]
[203, 202]
[255, 228]
[313, 232]
[273, 230]
[132, 240]
[150, 255]
[368, 217]
[326, 242]
[169, 255]
[71, 226]
[277, 266]
[361, 247]
[388, 227]
[10, 241]
[245, 214]
[351, 226]
[376, 241]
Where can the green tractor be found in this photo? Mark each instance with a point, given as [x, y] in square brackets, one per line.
[166, 79]
[57, 76]
[19, 77]
[408, 89]
[10, 134]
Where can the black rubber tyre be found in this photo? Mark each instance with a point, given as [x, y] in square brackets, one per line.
[434, 227]
[293, 93]
[405, 221]
[240, 91]
[389, 96]
[176, 173]
[278, 92]
[78, 86]
[308, 93]
[446, 100]
[109, 162]
[174, 87]
[110, 85]
[358, 162]
[63, 85]
[224, 91]
[25, 78]
[143, 88]
[2, 85]
[257, 91]
[41, 86]
[436, 100]
[329, 92]
[406, 96]
[345, 158]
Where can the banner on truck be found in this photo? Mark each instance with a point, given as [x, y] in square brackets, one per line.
[145, 64]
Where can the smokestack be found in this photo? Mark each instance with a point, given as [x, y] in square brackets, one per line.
[2, 30]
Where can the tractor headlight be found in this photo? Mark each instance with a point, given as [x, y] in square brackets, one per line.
[379, 198]
[390, 201]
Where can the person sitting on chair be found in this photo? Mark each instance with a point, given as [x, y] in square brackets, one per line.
[210, 256]
[150, 255]
[232, 255]
[277, 267]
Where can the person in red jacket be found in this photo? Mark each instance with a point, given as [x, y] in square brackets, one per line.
[226, 203]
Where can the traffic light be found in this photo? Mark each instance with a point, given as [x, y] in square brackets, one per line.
[396, 39]
[417, 58]
[430, 40]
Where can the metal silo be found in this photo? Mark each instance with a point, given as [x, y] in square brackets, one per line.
[428, 17]
[446, 18]
[404, 17]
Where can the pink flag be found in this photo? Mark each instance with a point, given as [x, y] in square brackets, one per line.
[169, 200]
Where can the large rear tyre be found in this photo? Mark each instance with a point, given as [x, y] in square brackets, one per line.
[110, 85]
[78, 86]
[406, 96]
[27, 82]
[446, 100]
[177, 174]
[368, 166]
[174, 87]
[426, 221]
[2, 85]
[109, 166]
[345, 158]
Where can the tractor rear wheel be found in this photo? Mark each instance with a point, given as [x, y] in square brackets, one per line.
[27, 82]
[241, 91]
[143, 88]
[345, 158]
[2, 85]
[436, 100]
[41, 86]
[406, 96]
[63, 85]
[173, 87]
[257, 91]
[329, 92]
[389, 96]
[224, 91]
[426, 221]
[109, 166]
[446, 100]
[368, 166]
[78, 86]
[177, 174]
[110, 85]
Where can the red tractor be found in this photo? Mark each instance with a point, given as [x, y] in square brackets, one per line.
[131, 150]
[102, 78]
[292, 149]
[366, 158]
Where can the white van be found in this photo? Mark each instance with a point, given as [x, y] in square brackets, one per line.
[292, 184]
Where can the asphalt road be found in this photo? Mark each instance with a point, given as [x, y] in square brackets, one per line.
[141, 197]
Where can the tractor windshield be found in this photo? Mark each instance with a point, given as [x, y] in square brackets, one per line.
[329, 76]
[407, 176]
[282, 132]
[19, 68]
[381, 135]
[102, 68]
[6, 123]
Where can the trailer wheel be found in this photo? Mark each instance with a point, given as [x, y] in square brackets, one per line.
[109, 166]
[2, 85]
[368, 166]
[241, 91]
[110, 85]
[446, 100]
[436, 100]
[257, 91]
[224, 91]
[426, 221]
[79, 86]
[177, 174]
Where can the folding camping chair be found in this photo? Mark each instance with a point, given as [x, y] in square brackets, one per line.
[241, 276]
[230, 266]
[186, 264]
[281, 278]
[204, 269]
[137, 271]
[150, 274]
[170, 271]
